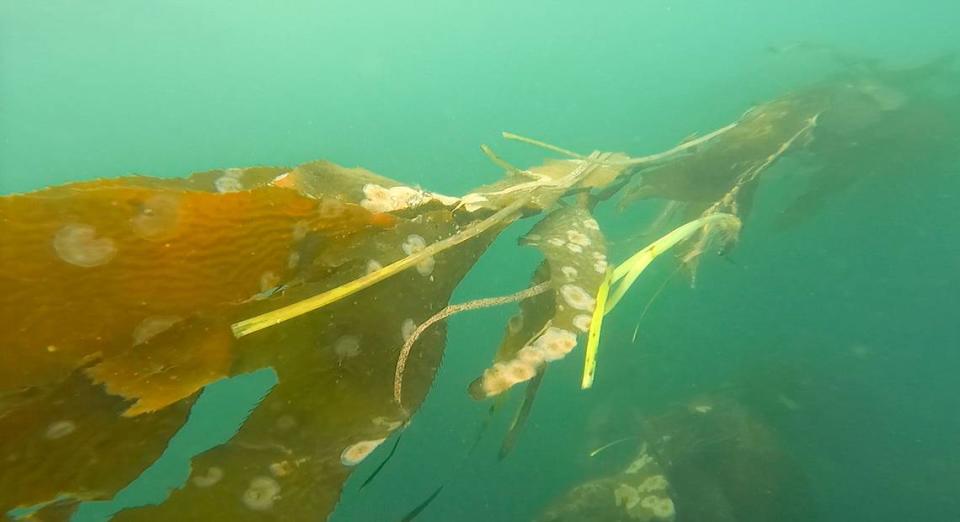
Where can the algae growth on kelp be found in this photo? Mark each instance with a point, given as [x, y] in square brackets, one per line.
[125, 298]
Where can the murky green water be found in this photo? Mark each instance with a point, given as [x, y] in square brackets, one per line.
[841, 330]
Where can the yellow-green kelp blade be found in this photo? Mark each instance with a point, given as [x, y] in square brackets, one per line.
[593, 336]
[628, 271]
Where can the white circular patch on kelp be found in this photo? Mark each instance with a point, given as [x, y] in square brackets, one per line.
[285, 423]
[531, 356]
[79, 245]
[60, 429]
[413, 244]
[158, 217]
[229, 181]
[407, 329]
[577, 297]
[373, 265]
[600, 265]
[555, 343]
[281, 468]
[426, 265]
[503, 375]
[355, 453]
[211, 477]
[347, 346]
[578, 238]
[376, 198]
[261, 493]
[153, 326]
[662, 507]
[653, 483]
[520, 371]
[381, 199]
[405, 197]
[582, 322]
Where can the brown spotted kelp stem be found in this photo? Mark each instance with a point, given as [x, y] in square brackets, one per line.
[476, 304]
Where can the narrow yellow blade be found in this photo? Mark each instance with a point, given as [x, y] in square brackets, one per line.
[593, 336]
[275, 317]
[628, 271]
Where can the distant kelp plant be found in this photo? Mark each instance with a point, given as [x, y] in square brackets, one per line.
[123, 298]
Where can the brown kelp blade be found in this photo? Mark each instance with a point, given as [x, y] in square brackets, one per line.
[124, 292]
[575, 252]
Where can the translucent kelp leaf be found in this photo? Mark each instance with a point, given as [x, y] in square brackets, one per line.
[704, 175]
[575, 253]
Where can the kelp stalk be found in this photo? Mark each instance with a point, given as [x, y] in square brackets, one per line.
[652, 158]
[476, 304]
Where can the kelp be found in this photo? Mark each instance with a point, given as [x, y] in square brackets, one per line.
[866, 121]
[123, 292]
[125, 298]
[704, 459]
[576, 262]
[640, 491]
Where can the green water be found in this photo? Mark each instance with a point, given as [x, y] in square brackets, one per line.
[862, 300]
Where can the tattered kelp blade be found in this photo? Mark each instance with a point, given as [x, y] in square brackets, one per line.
[122, 293]
[576, 261]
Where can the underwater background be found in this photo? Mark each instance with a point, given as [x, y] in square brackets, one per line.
[849, 319]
